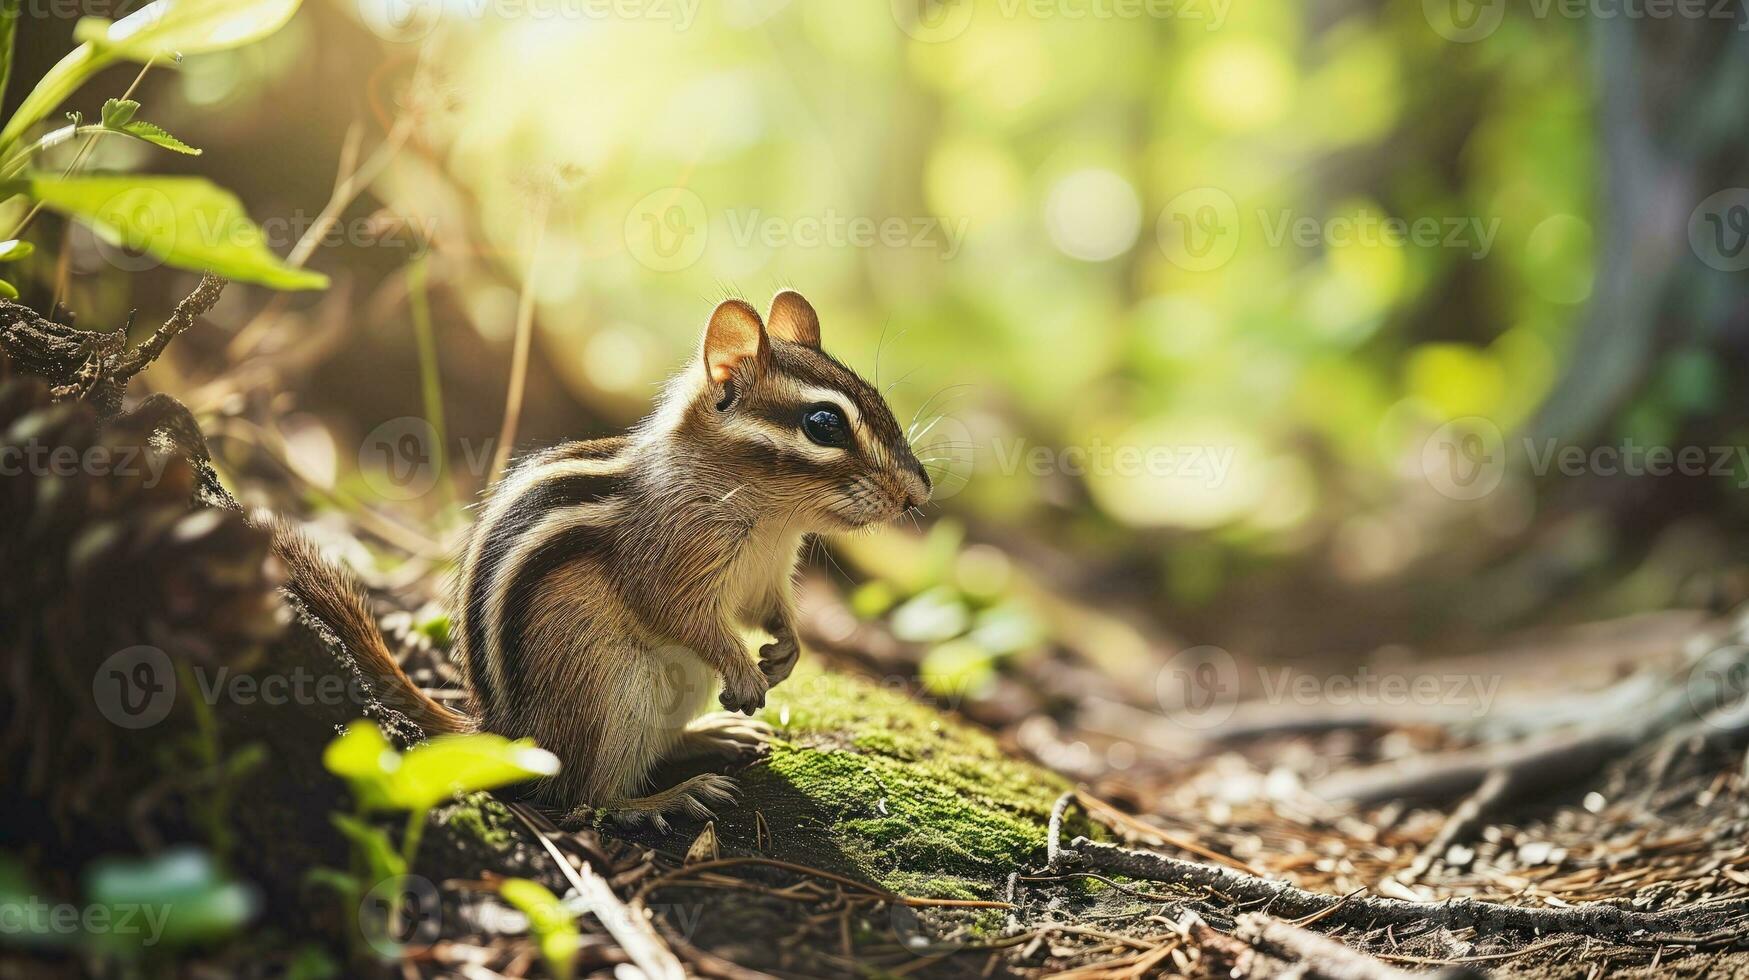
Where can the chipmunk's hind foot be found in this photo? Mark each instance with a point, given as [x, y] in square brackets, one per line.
[724, 734]
[692, 798]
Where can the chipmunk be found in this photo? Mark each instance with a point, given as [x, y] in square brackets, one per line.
[603, 589]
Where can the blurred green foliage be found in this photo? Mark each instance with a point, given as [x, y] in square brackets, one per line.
[1401, 233]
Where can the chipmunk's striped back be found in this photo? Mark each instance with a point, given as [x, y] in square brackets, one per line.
[555, 506]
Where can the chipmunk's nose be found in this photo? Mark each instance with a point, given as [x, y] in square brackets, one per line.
[917, 486]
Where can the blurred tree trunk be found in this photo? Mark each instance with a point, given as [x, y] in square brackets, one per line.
[1671, 99]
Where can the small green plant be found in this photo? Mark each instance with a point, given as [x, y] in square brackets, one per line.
[187, 222]
[384, 780]
[551, 924]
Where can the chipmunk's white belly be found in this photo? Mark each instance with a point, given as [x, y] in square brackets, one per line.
[763, 568]
[675, 687]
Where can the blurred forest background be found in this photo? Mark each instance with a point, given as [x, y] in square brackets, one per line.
[1285, 275]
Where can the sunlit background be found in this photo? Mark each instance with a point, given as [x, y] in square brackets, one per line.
[1180, 296]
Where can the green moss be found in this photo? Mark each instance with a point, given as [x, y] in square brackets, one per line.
[481, 818]
[870, 782]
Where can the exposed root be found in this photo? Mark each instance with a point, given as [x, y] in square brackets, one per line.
[1713, 924]
[1495, 788]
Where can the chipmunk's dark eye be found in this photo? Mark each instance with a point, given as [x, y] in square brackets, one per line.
[825, 425]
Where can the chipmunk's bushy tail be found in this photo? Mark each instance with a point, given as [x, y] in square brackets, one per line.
[333, 596]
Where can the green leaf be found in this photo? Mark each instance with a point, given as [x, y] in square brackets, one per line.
[549, 921]
[8, 290]
[8, 31]
[186, 221]
[169, 29]
[119, 112]
[365, 759]
[155, 134]
[191, 898]
[453, 764]
[428, 774]
[52, 89]
[15, 249]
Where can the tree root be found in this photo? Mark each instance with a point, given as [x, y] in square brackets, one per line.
[1712, 924]
[1495, 788]
[1705, 697]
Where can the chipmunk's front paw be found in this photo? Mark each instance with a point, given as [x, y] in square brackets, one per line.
[778, 658]
[744, 689]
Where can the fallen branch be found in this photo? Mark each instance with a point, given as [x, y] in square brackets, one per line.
[195, 304]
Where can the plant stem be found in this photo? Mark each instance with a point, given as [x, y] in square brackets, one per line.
[79, 157]
[430, 381]
[519, 355]
[410, 840]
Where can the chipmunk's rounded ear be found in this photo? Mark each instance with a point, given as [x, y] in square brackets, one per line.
[792, 318]
[733, 335]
